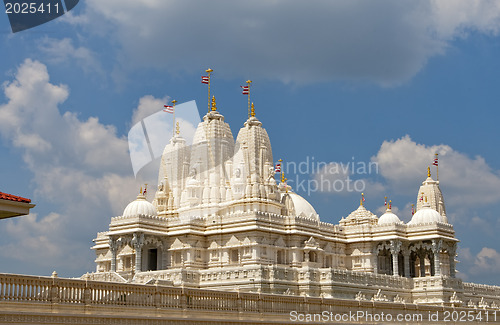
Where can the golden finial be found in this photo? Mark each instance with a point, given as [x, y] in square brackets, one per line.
[253, 111]
[177, 128]
[362, 198]
[140, 191]
[428, 171]
[173, 102]
[283, 179]
[209, 70]
[426, 199]
[390, 204]
[361, 202]
[214, 105]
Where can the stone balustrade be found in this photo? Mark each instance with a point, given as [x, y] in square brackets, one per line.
[53, 300]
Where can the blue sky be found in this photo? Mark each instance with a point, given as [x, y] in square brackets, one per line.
[344, 81]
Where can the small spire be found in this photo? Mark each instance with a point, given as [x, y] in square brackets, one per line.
[177, 129]
[253, 111]
[390, 205]
[214, 105]
[428, 171]
[362, 198]
[140, 191]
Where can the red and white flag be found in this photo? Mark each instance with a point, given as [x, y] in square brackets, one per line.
[245, 90]
[435, 163]
[205, 79]
[277, 169]
[168, 109]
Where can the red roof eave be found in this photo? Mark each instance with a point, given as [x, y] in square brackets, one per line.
[15, 198]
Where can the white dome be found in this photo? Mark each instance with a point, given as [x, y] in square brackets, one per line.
[388, 218]
[139, 207]
[302, 207]
[426, 215]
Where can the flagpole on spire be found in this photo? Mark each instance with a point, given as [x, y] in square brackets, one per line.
[436, 163]
[206, 80]
[248, 83]
[173, 114]
[281, 169]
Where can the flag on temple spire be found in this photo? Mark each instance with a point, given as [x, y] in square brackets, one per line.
[435, 163]
[245, 90]
[277, 169]
[385, 200]
[205, 79]
[168, 109]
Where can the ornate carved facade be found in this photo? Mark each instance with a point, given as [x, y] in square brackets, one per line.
[220, 220]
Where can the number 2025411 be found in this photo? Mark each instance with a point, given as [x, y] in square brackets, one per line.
[31, 8]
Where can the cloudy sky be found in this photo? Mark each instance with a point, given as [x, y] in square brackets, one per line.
[337, 85]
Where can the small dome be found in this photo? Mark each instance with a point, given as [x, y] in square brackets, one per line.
[302, 207]
[426, 215]
[139, 207]
[388, 218]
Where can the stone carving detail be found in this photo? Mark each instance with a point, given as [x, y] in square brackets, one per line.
[379, 296]
[360, 296]
[454, 299]
[400, 300]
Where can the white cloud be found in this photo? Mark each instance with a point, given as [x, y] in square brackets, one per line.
[468, 181]
[80, 167]
[148, 105]
[485, 264]
[346, 178]
[386, 42]
[63, 50]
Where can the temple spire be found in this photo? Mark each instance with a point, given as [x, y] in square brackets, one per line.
[253, 111]
[214, 105]
[428, 171]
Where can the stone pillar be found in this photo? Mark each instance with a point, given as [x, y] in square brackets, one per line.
[395, 248]
[138, 242]
[436, 249]
[452, 251]
[113, 247]
[406, 261]
[421, 256]
[375, 260]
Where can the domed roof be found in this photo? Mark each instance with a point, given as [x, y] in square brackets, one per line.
[302, 207]
[139, 207]
[388, 218]
[426, 215]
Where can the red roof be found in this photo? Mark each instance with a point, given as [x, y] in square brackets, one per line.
[10, 197]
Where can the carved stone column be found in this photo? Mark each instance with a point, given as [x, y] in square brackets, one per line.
[421, 256]
[138, 242]
[375, 259]
[113, 247]
[452, 251]
[395, 249]
[406, 260]
[436, 249]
